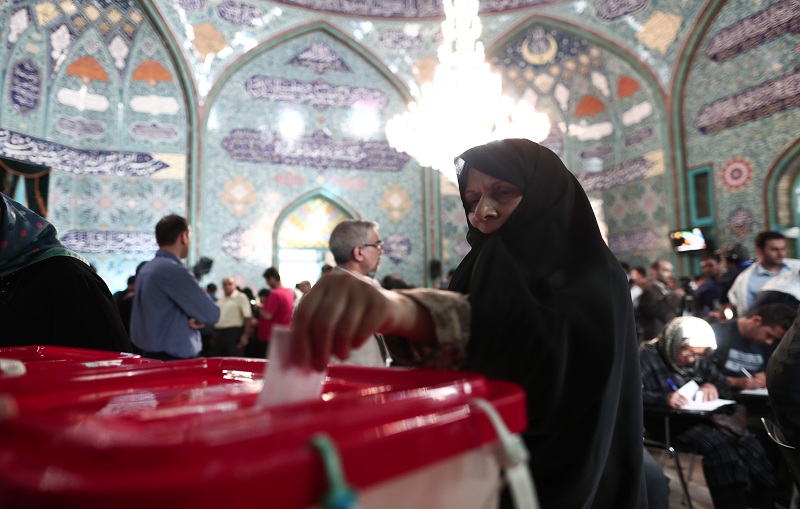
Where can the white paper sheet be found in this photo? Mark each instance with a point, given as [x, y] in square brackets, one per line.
[706, 405]
[689, 390]
[283, 382]
[755, 392]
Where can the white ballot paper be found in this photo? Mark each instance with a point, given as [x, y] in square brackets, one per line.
[283, 382]
[755, 392]
[691, 392]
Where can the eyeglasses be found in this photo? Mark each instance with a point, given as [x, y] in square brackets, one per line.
[377, 245]
[688, 354]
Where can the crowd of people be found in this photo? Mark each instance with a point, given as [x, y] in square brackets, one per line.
[744, 308]
[164, 291]
[730, 284]
[539, 301]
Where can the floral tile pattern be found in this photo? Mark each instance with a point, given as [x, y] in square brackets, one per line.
[293, 95]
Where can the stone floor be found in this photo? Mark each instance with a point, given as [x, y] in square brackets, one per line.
[697, 484]
[698, 490]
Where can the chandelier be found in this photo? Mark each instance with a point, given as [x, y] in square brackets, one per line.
[463, 106]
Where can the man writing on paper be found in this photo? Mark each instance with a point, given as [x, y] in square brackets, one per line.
[745, 344]
[734, 462]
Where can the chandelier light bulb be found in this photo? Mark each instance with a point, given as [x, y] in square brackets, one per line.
[463, 106]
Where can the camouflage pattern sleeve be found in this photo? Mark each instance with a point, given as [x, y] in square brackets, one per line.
[451, 314]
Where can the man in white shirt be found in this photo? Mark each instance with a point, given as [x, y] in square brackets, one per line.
[771, 262]
[357, 250]
[233, 328]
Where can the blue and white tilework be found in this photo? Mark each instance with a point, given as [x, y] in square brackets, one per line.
[292, 97]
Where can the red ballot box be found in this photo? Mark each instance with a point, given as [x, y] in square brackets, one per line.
[189, 434]
[44, 358]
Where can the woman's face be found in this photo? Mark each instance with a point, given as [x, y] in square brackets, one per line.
[490, 201]
[688, 354]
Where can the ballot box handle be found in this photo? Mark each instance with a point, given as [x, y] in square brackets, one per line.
[513, 457]
[339, 495]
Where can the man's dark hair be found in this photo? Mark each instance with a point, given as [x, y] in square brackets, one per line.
[211, 287]
[774, 315]
[272, 272]
[763, 237]
[170, 228]
[247, 291]
[263, 292]
[711, 256]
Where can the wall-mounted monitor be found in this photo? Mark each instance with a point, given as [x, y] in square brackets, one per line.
[690, 240]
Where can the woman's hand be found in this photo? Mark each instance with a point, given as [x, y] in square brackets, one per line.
[709, 392]
[337, 315]
[342, 311]
[676, 400]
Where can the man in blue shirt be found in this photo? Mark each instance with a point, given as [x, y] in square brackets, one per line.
[745, 344]
[169, 307]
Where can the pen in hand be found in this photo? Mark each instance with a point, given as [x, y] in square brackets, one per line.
[672, 384]
[675, 399]
[753, 382]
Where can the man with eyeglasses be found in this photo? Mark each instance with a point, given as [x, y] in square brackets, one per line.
[357, 250]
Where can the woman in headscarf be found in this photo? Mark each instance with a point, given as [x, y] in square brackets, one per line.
[49, 295]
[734, 462]
[539, 301]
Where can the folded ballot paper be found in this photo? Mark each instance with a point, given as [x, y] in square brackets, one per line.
[284, 382]
[691, 391]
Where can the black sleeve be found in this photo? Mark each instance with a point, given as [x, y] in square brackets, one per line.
[61, 301]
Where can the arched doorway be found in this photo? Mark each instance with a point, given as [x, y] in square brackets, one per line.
[782, 198]
[302, 234]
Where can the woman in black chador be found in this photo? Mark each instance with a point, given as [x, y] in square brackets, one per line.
[540, 301]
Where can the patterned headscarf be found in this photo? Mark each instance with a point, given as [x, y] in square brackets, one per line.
[26, 238]
[681, 332]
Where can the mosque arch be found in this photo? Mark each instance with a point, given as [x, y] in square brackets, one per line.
[617, 142]
[781, 196]
[302, 231]
[645, 75]
[188, 87]
[680, 79]
[273, 42]
[320, 77]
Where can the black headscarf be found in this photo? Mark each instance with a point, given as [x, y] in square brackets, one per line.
[551, 311]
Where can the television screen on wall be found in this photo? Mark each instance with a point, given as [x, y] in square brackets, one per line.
[690, 240]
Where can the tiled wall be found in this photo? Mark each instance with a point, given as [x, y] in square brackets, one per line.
[91, 89]
[740, 110]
